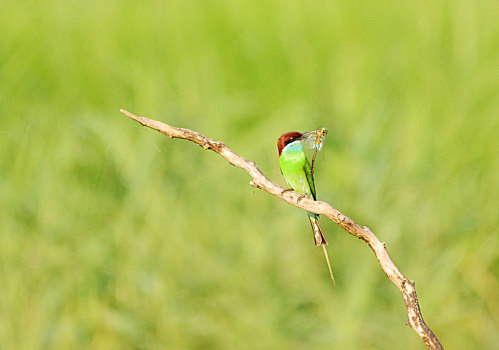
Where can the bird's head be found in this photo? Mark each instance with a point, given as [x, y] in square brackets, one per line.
[287, 138]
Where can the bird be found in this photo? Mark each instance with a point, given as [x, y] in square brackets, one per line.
[298, 173]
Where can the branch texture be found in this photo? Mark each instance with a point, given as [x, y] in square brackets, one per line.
[259, 180]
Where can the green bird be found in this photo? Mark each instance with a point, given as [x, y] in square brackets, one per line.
[298, 173]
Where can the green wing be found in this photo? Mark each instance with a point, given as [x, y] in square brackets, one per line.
[310, 179]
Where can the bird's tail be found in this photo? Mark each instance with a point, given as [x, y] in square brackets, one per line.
[318, 235]
[320, 240]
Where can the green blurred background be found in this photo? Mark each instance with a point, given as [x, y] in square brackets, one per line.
[113, 236]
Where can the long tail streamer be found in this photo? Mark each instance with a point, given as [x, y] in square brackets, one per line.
[328, 263]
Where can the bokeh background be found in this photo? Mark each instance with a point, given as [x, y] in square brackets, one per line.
[113, 236]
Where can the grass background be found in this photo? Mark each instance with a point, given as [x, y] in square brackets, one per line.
[112, 236]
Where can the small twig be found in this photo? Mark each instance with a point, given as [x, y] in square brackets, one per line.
[259, 180]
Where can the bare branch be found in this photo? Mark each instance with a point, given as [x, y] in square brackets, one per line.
[259, 180]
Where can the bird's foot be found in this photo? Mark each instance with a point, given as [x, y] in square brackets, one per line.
[301, 197]
[286, 190]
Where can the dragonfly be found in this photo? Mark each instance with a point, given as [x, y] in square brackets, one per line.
[314, 140]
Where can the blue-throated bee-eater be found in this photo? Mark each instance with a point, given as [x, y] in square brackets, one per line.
[298, 173]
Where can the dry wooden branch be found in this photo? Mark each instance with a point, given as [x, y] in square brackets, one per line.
[259, 180]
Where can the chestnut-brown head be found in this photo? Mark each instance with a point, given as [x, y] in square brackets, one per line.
[287, 138]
